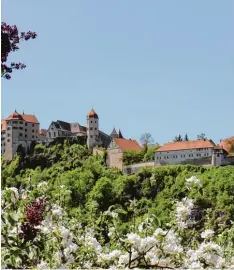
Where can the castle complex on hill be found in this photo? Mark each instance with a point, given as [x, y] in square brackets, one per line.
[23, 129]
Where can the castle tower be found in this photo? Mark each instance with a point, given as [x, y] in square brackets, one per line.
[92, 129]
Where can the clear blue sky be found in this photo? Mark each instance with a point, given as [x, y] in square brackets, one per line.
[158, 66]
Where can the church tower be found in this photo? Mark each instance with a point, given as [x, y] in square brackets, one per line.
[92, 129]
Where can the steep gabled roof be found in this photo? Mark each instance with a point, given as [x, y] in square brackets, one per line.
[64, 125]
[126, 145]
[120, 135]
[106, 139]
[177, 146]
[114, 133]
[15, 116]
[228, 144]
[30, 118]
[77, 128]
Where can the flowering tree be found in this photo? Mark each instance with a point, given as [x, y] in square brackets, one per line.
[39, 234]
[10, 38]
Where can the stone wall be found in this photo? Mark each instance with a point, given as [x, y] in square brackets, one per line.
[97, 151]
[115, 158]
[131, 169]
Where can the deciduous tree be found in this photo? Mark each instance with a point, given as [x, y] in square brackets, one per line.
[146, 139]
[10, 39]
[201, 136]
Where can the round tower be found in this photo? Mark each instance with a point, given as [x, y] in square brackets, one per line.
[92, 129]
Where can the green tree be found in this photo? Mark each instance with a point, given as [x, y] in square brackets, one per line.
[186, 137]
[133, 157]
[201, 136]
[178, 138]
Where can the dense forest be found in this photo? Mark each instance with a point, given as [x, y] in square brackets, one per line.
[72, 178]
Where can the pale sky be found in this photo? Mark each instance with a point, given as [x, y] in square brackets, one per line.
[159, 66]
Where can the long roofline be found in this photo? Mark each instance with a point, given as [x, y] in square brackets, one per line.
[186, 145]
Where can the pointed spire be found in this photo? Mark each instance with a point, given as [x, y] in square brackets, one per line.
[93, 114]
[114, 133]
[120, 134]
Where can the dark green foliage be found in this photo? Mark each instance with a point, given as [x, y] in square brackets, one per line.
[132, 157]
[186, 137]
[94, 187]
[178, 138]
[150, 153]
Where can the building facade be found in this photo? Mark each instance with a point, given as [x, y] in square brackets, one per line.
[61, 129]
[198, 152]
[116, 150]
[18, 129]
[94, 136]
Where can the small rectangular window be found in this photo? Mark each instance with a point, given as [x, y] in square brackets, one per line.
[26, 124]
[26, 136]
[33, 136]
[32, 125]
[54, 134]
[8, 128]
[8, 140]
[26, 129]
[33, 131]
[21, 134]
[21, 122]
[8, 135]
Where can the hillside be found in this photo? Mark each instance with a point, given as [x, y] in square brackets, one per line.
[86, 188]
[90, 180]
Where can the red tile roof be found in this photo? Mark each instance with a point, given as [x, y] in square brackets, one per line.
[228, 144]
[43, 132]
[30, 118]
[3, 124]
[26, 117]
[176, 146]
[15, 116]
[93, 114]
[126, 145]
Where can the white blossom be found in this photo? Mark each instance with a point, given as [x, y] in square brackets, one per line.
[57, 210]
[111, 231]
[42, 184]
[207, 233]
[123, 259]
[134, 239]
[193, 180]
[42, 265]
[183, 210]
[158, 232]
